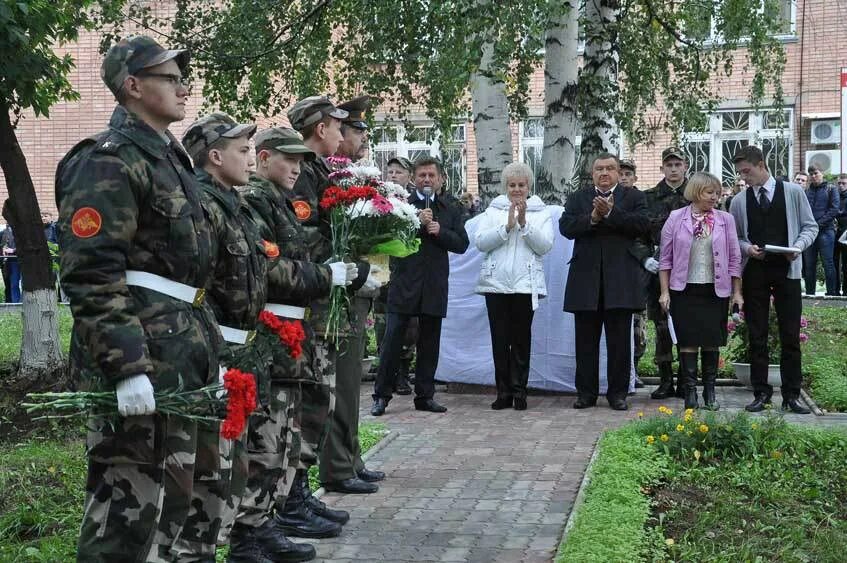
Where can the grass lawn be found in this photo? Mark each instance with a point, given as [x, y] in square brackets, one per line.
[42, 488]
[714, 488]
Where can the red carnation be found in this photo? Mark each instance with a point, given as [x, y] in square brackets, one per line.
[241, 401]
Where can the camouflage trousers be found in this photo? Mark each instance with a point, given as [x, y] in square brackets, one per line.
[220, 476]
[138, 489]
[318, 405]
[639, 331]
[273, 452]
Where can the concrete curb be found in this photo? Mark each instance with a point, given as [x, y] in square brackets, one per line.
[387, 439]
[580, 494]
[811, 402]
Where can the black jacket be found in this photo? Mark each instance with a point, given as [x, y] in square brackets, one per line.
[603, 251]
[419, 282]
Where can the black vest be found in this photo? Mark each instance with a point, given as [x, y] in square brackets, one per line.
[767, 227]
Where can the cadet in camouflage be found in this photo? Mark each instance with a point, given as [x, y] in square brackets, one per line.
[293, 283]
[136, 253]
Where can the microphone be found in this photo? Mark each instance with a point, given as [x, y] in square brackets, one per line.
[427, 192]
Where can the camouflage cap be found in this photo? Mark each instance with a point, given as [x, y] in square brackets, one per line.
[204, 132]
[283, 139]
[356, 108]
[130, 55]
[628, 163]
[309, 111]
[673, 152]
[402, 162]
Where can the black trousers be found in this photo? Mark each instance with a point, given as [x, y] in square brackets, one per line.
[761, 280]
[427, 350]
[840, 259]
[588, 327]
[510, 321]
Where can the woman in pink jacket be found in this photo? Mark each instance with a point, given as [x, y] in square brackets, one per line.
[699, 269]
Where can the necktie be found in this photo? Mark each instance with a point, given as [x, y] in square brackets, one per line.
[763, 199]
[602, 194]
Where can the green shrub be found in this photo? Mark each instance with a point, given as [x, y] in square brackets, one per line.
[827, 381]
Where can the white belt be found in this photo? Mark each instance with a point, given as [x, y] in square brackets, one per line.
[167, 287]
[237, 336]
[288, 311]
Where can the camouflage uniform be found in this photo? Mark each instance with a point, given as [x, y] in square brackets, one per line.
[274, 440]
[237, 295]
[128, 200]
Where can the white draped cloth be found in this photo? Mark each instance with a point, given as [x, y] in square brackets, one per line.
[466, 340]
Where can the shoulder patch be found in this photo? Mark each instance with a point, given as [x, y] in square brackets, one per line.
[86, 222]
[302, 209]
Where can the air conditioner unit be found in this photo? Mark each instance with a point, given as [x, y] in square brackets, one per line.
[826, 132]
[828, 161]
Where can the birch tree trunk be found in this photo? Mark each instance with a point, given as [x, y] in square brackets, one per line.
[561, 71]
[491, 125]
[41, 353]
[598, 82]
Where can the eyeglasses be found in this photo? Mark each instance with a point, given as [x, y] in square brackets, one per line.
[174, 80]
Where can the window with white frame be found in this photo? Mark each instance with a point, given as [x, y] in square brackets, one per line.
[713, 149]
[531, 143]
[420, 140]
[782, 12]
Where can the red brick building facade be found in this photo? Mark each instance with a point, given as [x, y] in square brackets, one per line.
[812, 101]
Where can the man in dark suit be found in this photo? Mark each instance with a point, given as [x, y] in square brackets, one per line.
[604, 221]
[418, 288]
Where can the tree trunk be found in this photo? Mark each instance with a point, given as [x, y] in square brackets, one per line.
[41, 353]
[491, 125]
[561, 71]
[598, 83]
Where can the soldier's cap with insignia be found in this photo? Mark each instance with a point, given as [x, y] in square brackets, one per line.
[207, 130]
[283, 139]
[673, 152]
[309, 111]
[131, 55]
[402, 162]
[356, 108]
[628, 163]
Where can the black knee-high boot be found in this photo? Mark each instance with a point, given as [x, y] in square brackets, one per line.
[688, 371]
[709, 359]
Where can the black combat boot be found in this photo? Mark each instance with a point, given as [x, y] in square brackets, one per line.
[688, 370]
[316, 504]
[709, 362]
[244, 547]
[665, 388]
[297, 519]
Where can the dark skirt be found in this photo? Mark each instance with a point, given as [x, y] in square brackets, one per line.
[699, 316]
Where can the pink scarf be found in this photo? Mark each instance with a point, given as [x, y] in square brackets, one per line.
[704, 222]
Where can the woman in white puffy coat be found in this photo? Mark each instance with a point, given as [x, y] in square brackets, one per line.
[513, 233]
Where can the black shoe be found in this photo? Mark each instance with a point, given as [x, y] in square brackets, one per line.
[354, 486]
[501, 403]
[429, 405]
[280, 548]
[688, 371]
[316, 505]
[795, 406]
[370, 476]
[638, 383]
[301, 522]
[520, 404]
[245, 548]
[378, 409]
[665, 388]
[583, 403]
[760, 403]
[618, 404]
[402, 386]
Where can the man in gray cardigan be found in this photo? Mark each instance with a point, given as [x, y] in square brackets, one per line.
[776, 213]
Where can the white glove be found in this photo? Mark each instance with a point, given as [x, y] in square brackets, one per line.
[135, 396]
[371, 284]
[651, 265]
[343, 273]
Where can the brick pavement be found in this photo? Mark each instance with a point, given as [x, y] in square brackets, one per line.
[478, 485]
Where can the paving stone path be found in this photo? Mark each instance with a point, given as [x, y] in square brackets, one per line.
[478, 485]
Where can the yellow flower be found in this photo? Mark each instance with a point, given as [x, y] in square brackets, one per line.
[689, 412]
[680, 427]
[51, 470]
[663, 409]
[697, 455]
[669, 542]
[776, 454]
[664, 437]
[703, 428]
[688, 418]
[668, 412]
[640, 414]
[754, 426]
[690, 433]
[650, 439]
